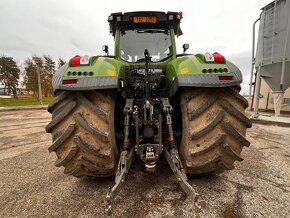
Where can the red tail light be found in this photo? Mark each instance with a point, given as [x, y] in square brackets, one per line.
[69, 81]
[218, 57]
[76, 60]
[180, 13]
[225, 77]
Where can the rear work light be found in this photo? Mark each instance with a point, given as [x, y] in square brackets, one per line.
[225, 77]
[69, 81]
[209, 57]
[85, 59]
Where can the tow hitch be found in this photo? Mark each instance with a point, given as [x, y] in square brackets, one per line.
[150, 152]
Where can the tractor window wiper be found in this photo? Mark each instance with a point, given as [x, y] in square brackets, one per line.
[152, 31]
[163, 59]
[141, 60]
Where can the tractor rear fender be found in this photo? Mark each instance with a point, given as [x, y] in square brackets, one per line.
[99, 73]
[194, 71]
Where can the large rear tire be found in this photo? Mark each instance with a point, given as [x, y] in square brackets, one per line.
[82, 129]
[214, 128]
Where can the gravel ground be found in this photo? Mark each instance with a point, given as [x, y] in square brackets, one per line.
[31, 186]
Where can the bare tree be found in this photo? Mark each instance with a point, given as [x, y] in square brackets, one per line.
[60, 63]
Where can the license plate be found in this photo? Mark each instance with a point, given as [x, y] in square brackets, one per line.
[144, 20]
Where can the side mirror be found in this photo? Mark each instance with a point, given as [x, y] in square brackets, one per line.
[105, 48]
[185, 47]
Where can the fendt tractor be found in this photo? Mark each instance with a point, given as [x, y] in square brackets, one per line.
[147, 100]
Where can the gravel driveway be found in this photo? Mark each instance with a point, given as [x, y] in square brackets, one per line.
[31, 186]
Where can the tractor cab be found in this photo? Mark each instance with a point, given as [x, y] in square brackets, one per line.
[136, 31]
[144, 44]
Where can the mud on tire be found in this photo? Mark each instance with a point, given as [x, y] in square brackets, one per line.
[82, 129]
[214, 128]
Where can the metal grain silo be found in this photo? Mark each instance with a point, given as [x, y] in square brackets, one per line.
[272, 60]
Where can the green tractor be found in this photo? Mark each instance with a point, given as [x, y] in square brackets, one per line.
[147, 100]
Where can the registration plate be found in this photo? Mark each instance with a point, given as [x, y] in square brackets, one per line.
[144, 19]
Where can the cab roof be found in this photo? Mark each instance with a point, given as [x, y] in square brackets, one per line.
[145, 19]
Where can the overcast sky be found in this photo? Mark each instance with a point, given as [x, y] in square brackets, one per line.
[64, 28]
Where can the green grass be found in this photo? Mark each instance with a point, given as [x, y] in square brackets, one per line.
[24, 101]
